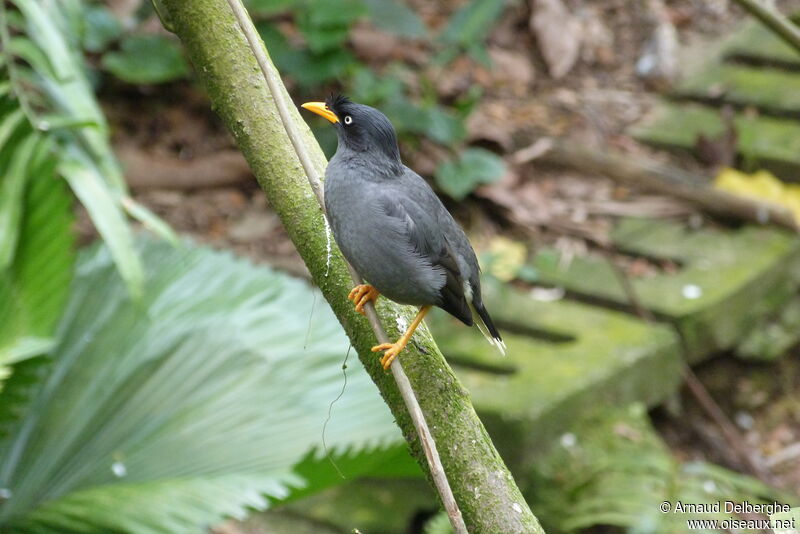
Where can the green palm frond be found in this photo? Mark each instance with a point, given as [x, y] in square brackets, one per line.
[36, 242]
[192, 403]
[44, 73]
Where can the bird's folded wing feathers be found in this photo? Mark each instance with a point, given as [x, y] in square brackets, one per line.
[425, 237]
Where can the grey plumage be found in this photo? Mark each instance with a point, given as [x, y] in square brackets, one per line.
[392, 227]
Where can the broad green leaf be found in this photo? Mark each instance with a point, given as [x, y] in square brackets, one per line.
[206, 396]
[332, 13]
[472, 22]
[146, 59]
[12, 189]
[265, 8]
[103, 208]
[100, 29]
[370, 89]
[326, 25]
[443, 126]
[396, 17]
[474, 166]
[35, 279]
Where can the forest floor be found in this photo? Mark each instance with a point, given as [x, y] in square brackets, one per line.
[181, 162]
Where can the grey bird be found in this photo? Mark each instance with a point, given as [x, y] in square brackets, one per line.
[393, 229]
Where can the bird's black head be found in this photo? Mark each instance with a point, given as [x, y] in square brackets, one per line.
[360, 128]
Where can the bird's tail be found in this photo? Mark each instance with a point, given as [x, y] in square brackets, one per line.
[487, 327]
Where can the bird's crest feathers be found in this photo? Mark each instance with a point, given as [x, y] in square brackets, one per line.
[336, 101]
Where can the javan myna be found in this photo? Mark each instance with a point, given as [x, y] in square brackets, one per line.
[392, 227]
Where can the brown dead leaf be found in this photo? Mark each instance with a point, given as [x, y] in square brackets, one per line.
[488, 123]
[454, 79]
[375, 46]
[558, 34]
[511, 69]
[598, 40]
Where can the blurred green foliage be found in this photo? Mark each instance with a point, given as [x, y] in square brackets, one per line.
[325, 62]
[205, 397]
[474, 166]
[146, 59]
[49, 112]
[315, 56]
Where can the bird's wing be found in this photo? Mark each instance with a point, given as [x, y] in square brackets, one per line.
[420, 223]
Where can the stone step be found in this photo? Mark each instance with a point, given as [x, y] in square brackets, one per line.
[727, 279]
[615, 470]
[763, 142]
[757, 73]
[773, 335]
[772, 91]
[589, 356]
[757, 44]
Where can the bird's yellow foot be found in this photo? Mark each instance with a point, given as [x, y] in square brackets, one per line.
[392, 350]
[361, 294]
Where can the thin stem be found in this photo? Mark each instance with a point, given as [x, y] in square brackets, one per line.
[403, 384]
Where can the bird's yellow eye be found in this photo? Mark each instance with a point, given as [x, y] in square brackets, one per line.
[348, 119]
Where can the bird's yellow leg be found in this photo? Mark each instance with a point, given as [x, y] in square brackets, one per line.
[393, 349]
[361, 294]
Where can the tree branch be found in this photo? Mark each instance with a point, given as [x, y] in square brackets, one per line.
[438, 475]
[481, 484]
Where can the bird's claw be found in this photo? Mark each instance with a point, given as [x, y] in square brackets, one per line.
[361, 294]
[392, 350]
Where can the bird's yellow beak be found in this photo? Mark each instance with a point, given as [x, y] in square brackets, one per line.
[322, 110]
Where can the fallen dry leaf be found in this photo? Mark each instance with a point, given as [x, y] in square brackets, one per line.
[558, 33]
[511, 69]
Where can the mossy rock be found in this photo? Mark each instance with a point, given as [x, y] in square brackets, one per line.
[615, 470]
[564, 360]
[763, 142]
[757, 73]
[773, 91]
[727, 281]
[757, 44]
[772, 336]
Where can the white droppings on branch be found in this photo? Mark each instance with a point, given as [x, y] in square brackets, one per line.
[402, 322]
[328, 246]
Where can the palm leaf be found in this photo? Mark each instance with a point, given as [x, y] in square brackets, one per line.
[46, 75]
[168, 413]
[36, 242]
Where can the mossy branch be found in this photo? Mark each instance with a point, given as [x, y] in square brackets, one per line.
[434, 462]
[481, 484]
